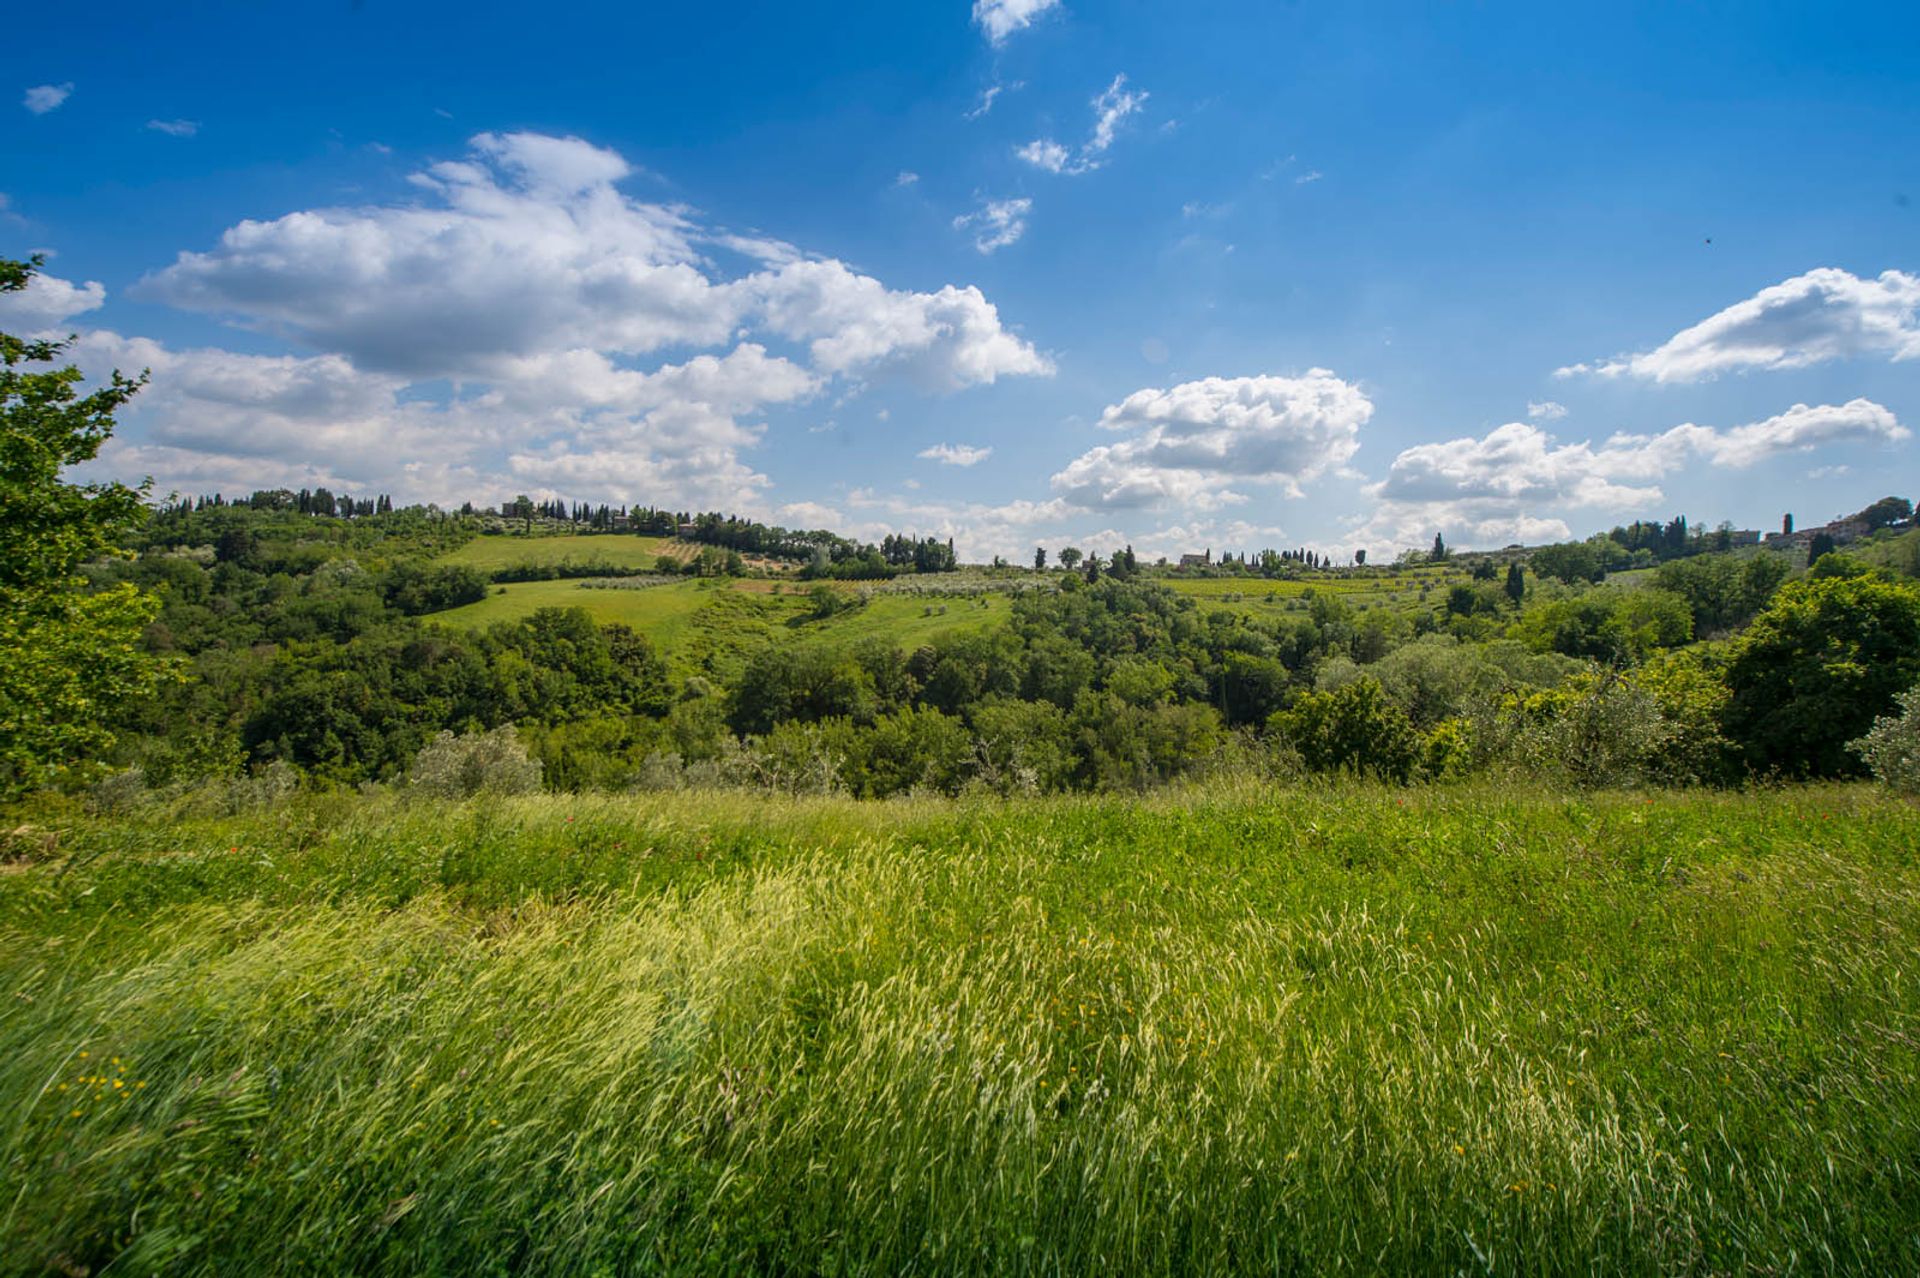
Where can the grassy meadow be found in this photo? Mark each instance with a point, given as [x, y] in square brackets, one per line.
[1314, 1030]
[623, 550]
[706, 625]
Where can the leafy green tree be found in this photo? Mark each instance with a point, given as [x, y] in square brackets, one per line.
[1892, 748]
[1516, 583]
[1070, 557]
[1888, 510]
[1439, 552]
[1039, 558]
[1354, 728]
[1570, 562]
[67, 655]
[1817, 667]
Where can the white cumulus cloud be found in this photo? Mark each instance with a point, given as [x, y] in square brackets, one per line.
[1826, 314]
[1188, 442]
[956, 454]
[1001, 18]
[1511, 483]
[506, 327]
[47, 302]
[528, 247]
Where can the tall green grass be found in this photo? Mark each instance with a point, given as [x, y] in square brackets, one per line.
[1320, 1031]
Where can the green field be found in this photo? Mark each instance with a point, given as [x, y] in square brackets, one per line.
[692, 620]
[1314, 1031]
[1264, 597]
[623, 550]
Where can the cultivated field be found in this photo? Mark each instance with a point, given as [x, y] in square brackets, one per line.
[1316, 1031]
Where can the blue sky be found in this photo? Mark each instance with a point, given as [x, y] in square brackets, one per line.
[1016, 271]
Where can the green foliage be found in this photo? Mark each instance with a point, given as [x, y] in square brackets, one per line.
[1722, 592]
[1611, 625]
[495, 762]
[1354, 728]
[1891, 748]
[1124, 747]
[1598, 729]
[1838, 564]
[415, 589]
[1571, 562]
[912, 749]
[1817, 668]
[66, 656]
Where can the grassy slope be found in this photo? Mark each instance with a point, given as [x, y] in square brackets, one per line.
[1255, 597]
[1320, 1031]
[620, 549]
[700, 623]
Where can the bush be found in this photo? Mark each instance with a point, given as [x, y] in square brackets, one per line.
[1817, 668]
[495, 762]
[1354, 728]
[118, 792]
[1891, 750]
[265, 788]
[1600, 729]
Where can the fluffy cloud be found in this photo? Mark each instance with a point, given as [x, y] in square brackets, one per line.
[956, 454]
[997, 224]
[1111, 108]
[491, 335]
[527, 248]
[1044, 153]
[501, 324]
[175, 128]
[1001, 18]
[43, 98]
[1494, 488]
[1545, 411]
[1189, 441]
[47, 302]
[1826, 314]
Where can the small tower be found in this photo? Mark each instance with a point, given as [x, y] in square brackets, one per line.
[1786, 524]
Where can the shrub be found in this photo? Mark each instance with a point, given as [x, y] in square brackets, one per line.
[1022, 747]
[912, 749]
[803, 758]
[1354, 728]
[1891, 750]
[118, 792]
[1599, 729]
[265, 788]
[1817, 668]
[493, 762]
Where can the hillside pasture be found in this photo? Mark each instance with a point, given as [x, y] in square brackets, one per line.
[511, 550]
[705, 626]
